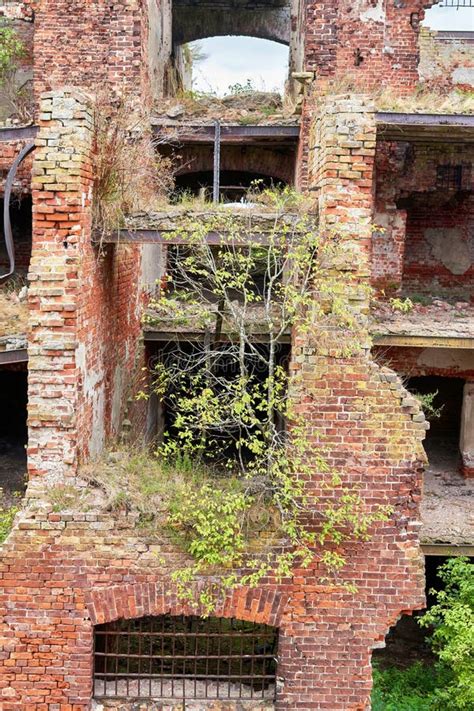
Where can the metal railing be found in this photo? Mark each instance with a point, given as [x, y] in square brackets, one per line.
[168, 657]
[456, 3]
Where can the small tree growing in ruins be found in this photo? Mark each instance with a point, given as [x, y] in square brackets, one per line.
[235, 438]
[12, 52]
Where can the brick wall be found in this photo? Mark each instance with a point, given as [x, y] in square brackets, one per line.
[427, 240]
[364, 41]
[91, 45]
[411, 362]
[64, 571]
[447, 59]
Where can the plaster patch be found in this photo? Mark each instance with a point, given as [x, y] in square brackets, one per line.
[449, 247]
[93, 389]
[374, 13]
[446, 359]
[463, 75]
[117, 398]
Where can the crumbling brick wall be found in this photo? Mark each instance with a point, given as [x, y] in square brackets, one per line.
[92, 45]
[424, 207]
[363, 41]
[64, 572]
[447, 59]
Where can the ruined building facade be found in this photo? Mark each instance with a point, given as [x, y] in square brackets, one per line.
[397, 185]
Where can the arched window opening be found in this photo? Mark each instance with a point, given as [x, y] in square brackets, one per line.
[236, 66]
[234, 44]
[167, 657]
[450, 16]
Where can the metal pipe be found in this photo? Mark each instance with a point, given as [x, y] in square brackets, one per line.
[7, 228]
[217, 161]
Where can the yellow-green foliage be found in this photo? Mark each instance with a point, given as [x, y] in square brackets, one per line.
[229, 398]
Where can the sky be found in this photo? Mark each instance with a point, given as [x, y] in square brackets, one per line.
[233, 60]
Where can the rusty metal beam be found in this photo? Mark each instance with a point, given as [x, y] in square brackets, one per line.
[18, 133]
[157, 336]
[17, 356]
[167, 237]
[229, 134]
[425, 128]
[411, 341]
[447, 549]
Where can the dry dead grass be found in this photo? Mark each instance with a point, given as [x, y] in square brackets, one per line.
[13, 314]
[424, 100]
[427, 102]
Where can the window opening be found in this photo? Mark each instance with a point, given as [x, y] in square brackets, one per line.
[169, 657]
[188, 357]
[442, 439]
[236, 67]
[450, 16]
[451, 177]
[234, 184]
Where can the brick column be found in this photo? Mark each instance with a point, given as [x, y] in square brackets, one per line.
[370, 428]
[61, 189]
[341, 165]
[466, 443]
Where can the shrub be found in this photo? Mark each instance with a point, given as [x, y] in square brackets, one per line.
[452, 620]
[6, 521]
[412, 689]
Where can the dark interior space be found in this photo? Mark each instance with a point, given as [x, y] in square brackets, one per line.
[13, 433]
[442, 439]
[189, 269]
[185, 657]
[224, 357]
[234, 184]
[21, 222]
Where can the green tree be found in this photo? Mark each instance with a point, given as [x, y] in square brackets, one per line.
[231, 394]
[452, 620]
[12, 51]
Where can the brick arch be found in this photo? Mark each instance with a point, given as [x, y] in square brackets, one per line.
[264, 606]
[277, 164]
[270, 20]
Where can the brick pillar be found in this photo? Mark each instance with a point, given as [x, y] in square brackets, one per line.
[342, 155]
[61, 189]
[466, 443]
[369, 427]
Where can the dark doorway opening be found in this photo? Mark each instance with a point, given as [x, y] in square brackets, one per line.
[13, 433]
[442, 439]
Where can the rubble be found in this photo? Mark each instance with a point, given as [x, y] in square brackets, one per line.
[247, 108]
[439, 319]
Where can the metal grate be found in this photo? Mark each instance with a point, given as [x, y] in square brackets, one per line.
[456, 3]
[454, 177]
[182, 658]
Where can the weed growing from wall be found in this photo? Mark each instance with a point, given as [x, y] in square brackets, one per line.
[129, 173]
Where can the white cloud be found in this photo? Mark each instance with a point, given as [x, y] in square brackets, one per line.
[450, 18]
